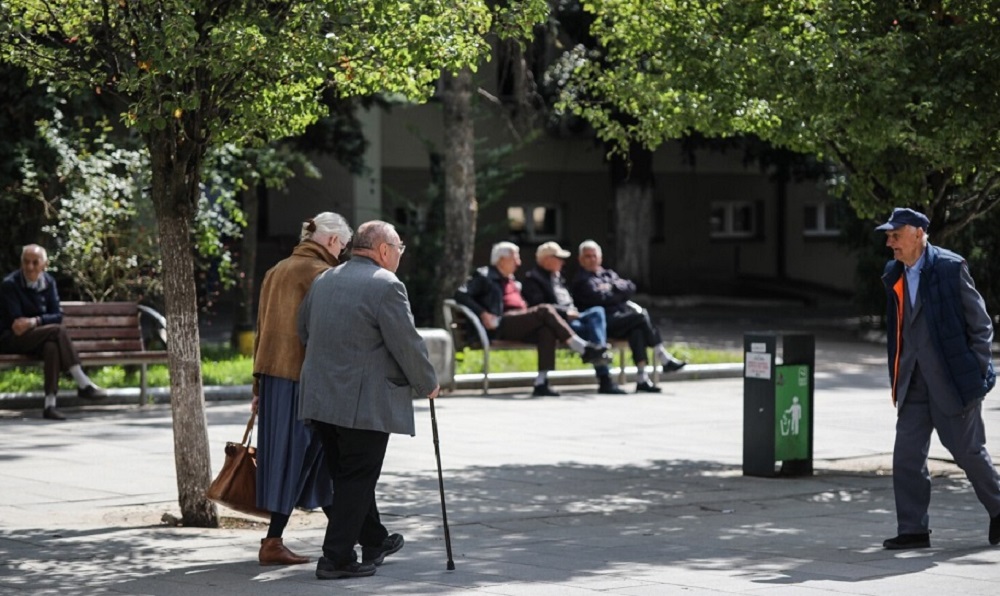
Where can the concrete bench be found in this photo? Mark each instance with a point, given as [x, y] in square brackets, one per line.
[467, 331]
[106, 333]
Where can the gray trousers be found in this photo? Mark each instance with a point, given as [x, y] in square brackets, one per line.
[963, 435]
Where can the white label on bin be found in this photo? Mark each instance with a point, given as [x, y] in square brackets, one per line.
[758, 347]
[758, 366]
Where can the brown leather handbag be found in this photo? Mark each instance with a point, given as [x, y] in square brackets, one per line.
[236, 485]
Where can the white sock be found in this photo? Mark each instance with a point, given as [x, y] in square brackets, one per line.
[50, 401]
[643, 376]
[577, 344]
[81, 378]
[662, 354]
[542, 378]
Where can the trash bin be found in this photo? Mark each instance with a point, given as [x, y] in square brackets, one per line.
[778, 404]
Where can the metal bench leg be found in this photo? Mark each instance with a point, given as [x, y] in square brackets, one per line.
[486, 370]
[142, 385]
[621, 366]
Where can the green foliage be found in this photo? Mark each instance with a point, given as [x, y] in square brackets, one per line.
[104, 233]
[903, 97]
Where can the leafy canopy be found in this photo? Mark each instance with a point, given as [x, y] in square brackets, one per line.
[903, 96]
[243, 68]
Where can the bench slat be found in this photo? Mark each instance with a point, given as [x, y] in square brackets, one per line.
[81, 333]
[101, 321]
[110, 345]
[98, 308]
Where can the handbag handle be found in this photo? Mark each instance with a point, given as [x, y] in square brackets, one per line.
[249, 430]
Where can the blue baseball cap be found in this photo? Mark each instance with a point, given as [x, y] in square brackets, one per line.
[901, 216]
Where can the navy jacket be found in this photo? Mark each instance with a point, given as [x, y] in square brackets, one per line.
[602, 288]
[18, 300]
[959, 326]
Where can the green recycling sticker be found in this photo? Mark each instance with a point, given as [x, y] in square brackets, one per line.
[791, 412]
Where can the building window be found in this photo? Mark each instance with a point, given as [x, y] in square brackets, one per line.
[733, 219]
[534, 223]
[821, 219]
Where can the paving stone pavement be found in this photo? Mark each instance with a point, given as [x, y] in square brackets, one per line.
[583, 494]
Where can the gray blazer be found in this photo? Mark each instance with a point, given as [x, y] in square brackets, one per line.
[364, 359]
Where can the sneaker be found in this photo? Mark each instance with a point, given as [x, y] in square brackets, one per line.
[51, 413]
[325, 569]
[91, 392]
[673, 365]
[544, 391]
[907, 541]
[376, 554]
[609, 387]
[646, 387]
[597, 355]
[995, 530]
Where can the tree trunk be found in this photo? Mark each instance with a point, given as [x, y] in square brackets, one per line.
[460, 205]
[632, 181]
[176, 168]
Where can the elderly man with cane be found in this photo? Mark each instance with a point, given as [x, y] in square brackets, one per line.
[364, 363]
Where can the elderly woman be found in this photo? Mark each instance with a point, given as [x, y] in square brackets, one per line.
[291, 470]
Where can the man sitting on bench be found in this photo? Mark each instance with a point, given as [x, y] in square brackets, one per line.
[495, 296]
[31, 323]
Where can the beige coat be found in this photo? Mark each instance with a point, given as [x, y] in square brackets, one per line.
[277, 350]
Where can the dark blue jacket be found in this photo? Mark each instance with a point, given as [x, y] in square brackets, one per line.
[940, 290]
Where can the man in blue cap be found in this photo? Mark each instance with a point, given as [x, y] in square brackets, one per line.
[940, 368]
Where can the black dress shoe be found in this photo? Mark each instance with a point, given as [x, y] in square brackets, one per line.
[673, 365]
[646, 387]
[376, 554]
[597, 355]
[91, 392]
[325, 569]
[906, 541]
[995, 530]
[609, 387]
[544, 391]
[51, 413]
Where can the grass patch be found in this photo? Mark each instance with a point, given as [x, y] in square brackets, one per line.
[219, 366]
[471, 361]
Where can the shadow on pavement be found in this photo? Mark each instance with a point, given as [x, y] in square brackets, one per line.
[584, 524]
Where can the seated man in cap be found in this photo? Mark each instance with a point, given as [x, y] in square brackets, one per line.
[544, 284]
[594, 285]
[495, 296]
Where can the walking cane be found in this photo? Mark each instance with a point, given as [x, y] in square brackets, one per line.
[444, 512]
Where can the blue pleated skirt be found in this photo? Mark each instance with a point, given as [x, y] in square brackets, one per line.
[291, 467]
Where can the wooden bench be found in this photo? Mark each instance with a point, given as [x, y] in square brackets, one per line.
[462, 323]
[107, 333]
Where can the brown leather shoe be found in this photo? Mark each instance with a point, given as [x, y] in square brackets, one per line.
[274, 552]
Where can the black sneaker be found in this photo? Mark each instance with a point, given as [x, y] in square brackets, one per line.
[995, 530]
[91, 392]
[646, 387]
[609, 387]
[51, 413]
[544, 391]
[376, 554]
[906, 541]
[325, 569]
[673, 365]
[597, 355]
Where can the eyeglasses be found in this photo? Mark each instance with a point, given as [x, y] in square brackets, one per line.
[400, 246]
